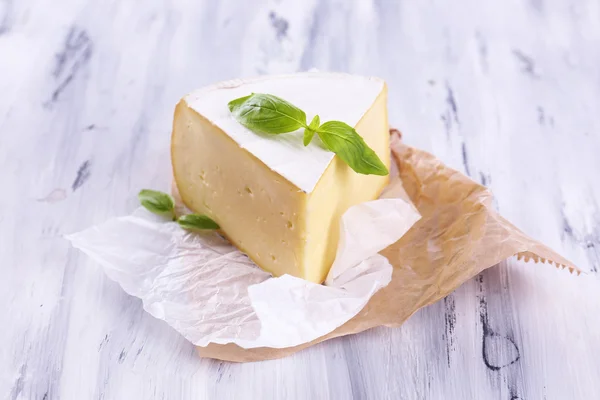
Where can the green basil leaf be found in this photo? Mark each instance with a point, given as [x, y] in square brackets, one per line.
[344, 141]
[266, 113]
[157, 202]
[309, 132]
[196, 222]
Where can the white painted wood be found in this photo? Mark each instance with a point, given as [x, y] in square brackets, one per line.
[507, 92]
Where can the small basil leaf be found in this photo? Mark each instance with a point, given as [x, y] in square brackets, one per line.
[344, 141]
[196, 222]
[157, 202]
[266, 113]
[309, 132]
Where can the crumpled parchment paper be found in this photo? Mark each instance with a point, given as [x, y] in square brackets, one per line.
[246, 315]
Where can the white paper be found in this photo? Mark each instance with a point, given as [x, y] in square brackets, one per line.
[210, 292]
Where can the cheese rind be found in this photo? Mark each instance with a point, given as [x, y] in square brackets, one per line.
[283, 223]
[332, 96]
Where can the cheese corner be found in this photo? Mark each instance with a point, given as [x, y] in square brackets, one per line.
[278, 202]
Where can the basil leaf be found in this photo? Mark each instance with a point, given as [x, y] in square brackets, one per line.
[157, 202]
[344, 141]
[196, 222]
[266, 113]
[309, 132]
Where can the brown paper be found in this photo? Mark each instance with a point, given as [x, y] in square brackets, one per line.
[458, 236]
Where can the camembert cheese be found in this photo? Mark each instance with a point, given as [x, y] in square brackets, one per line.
[276, 200]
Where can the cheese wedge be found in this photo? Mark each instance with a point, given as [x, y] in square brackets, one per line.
[276, 200]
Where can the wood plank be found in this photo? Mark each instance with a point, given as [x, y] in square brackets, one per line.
[506, 92]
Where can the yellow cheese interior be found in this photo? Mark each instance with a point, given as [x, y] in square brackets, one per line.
[281, 228]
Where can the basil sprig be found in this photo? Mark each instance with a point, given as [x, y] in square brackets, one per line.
[162, 204]
[265, 113]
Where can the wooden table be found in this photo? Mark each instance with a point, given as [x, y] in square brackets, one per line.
[506, 91]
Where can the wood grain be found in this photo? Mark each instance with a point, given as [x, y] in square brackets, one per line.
[507, 92]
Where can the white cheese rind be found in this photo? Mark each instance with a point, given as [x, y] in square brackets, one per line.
[332, 96]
